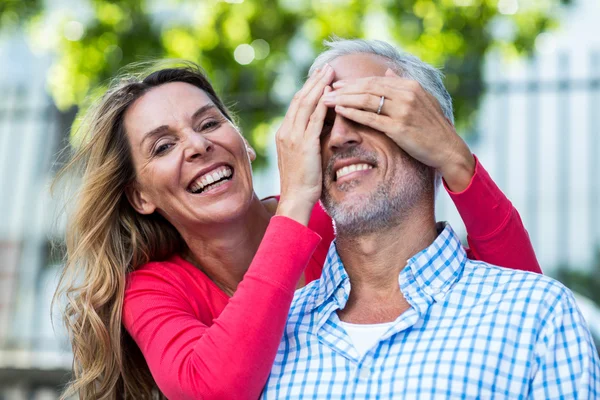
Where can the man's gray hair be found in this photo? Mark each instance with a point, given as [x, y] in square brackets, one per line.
[404, 64]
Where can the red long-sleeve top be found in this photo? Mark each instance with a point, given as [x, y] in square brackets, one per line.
[201, 344]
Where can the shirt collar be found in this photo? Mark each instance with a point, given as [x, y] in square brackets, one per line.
[430, 273]
[427, 277]
[334, 280]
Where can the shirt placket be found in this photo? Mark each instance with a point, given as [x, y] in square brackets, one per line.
[363, 373]
[329, 332]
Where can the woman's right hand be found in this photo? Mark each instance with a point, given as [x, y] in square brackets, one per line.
[299, 148]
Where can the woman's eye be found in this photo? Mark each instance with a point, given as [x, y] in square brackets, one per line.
[162, 148]
[209, 125]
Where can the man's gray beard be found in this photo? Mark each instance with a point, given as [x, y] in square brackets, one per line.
[384, 207]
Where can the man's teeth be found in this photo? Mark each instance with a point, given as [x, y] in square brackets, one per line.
[348, 169]
[209, 178]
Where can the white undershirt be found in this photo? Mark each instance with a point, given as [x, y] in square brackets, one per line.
[364, 336]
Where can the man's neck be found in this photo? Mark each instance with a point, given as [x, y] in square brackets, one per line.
[224, 251]
[373, 263]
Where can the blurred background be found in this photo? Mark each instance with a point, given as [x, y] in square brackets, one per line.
[524, 75]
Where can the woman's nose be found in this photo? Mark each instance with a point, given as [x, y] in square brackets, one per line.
[197, 145]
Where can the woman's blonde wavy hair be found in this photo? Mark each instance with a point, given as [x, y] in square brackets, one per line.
[106, 238]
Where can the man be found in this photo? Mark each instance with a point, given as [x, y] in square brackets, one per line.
[399, 311]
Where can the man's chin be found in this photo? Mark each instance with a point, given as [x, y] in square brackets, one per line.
[346, 206]
[354, 219]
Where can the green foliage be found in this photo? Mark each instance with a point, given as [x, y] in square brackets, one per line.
[584, 282]
[12, 12]
[451, 34]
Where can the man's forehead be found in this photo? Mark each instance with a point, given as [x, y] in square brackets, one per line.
[360, 65]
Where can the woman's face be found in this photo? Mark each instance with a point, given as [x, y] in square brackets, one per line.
[192, 165]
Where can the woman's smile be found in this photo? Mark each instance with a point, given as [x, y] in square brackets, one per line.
[211, 178]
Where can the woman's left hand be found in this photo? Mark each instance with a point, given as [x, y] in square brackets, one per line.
[299, 150]
[411, 117]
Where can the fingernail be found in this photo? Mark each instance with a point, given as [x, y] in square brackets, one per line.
[338, 84]
[329, 98]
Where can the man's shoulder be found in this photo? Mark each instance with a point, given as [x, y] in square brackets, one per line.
[491, 282]
[485, 272]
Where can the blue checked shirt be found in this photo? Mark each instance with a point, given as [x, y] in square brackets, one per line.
[473, 331]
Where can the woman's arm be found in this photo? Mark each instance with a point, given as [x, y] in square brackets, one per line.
[495, 231]
[231, 358]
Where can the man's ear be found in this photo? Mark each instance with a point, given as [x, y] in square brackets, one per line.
[138, 200]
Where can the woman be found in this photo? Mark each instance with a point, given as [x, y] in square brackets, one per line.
[169, 239]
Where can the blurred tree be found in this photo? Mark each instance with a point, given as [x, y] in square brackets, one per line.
[257, 51]
[14, 11]
[585, 281]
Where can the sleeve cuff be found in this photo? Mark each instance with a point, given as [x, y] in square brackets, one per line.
[284, 252]
[482, 205]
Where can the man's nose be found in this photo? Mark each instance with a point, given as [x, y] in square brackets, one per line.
[196, 145]
[343, 135]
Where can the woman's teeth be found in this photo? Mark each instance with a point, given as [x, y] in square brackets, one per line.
[348, 169]
[211, 180]
[215, 185]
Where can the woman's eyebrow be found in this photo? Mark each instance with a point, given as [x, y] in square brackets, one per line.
[163, 128]
[203, 110]
[154, 132]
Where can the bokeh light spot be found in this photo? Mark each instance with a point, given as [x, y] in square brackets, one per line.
[508, 7]
[261, 49]
[244, 54]
[545, 43]
[73, 31]
[113, 54]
